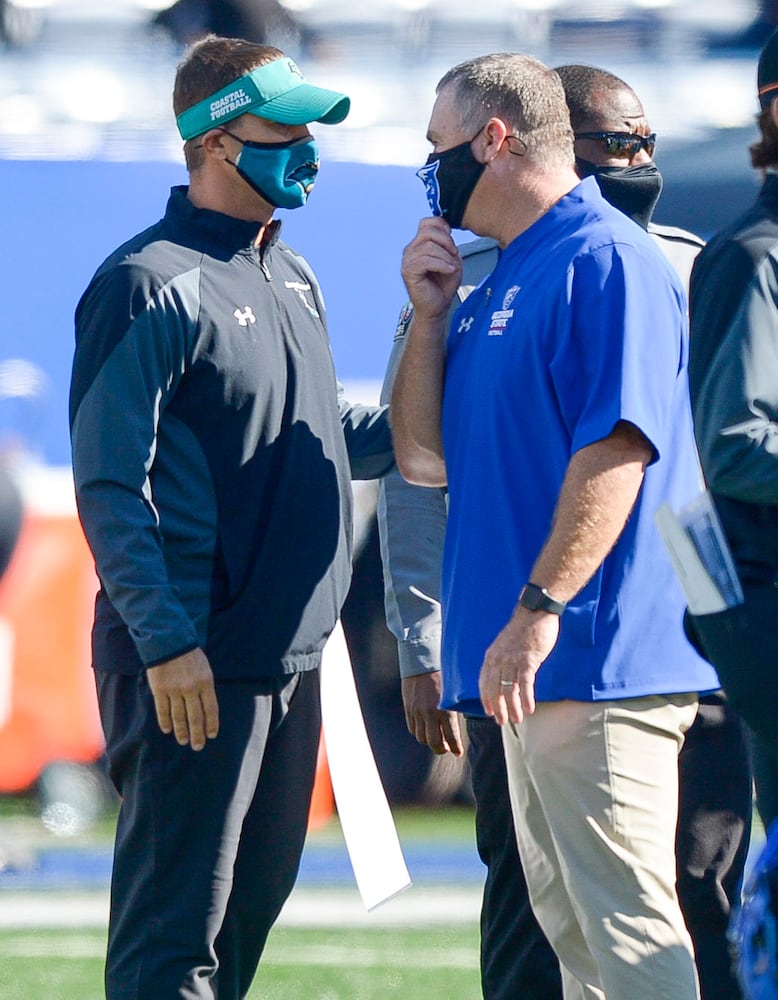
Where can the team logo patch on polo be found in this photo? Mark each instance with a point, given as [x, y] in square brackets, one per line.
[510, 295]
[301, 288]
[501, 317]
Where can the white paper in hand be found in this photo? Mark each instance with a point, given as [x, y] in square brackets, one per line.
[365, 816]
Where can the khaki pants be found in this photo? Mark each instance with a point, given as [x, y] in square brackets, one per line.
[594, 792]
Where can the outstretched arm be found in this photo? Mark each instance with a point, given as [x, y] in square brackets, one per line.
[412, 527]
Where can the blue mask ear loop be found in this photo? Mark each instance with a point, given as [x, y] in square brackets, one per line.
[237, 138]
[234, 163]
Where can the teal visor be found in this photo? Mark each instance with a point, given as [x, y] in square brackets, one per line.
[275, 91]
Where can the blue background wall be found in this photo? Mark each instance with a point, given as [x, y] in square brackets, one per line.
[59, 220]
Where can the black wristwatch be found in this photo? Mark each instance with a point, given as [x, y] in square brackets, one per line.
[536, 598]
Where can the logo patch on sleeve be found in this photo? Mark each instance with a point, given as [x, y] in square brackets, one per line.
[403, 321]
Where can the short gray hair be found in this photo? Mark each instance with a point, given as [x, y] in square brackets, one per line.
[524, 93]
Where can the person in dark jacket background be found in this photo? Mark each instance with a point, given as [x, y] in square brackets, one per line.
[206, 425]
[733, 377]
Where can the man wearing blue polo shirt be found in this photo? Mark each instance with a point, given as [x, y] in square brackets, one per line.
[565, 423]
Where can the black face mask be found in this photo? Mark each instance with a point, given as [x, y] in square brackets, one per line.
[633, 190]
[449, 179]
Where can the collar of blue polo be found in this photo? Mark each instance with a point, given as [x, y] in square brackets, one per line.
[276, 91]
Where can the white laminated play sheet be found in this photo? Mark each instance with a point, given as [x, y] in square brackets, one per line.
[365, 817]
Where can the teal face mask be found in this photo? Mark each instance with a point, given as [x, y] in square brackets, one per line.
[283, 173]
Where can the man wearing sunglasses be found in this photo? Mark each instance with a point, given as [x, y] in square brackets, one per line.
[516, 959]
[614, 144]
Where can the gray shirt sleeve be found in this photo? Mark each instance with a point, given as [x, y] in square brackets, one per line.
[412, 525]
[412, 519]
[736, 411]
[368, 437]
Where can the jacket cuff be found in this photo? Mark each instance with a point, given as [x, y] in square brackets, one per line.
[418, 656]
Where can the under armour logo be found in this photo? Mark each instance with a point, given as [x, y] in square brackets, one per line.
[465, 324]
[245, 316]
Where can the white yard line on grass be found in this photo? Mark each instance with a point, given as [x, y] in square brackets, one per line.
[418, 905]
[85, 944]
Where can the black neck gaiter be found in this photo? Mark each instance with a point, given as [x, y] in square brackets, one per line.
[633, 190]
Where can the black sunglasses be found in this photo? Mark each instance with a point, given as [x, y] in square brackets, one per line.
[622, 144]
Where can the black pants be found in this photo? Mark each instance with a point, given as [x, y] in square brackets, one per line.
[742, 644]
[765, 780]
[516, 958]
[714, 828]
[208, 844]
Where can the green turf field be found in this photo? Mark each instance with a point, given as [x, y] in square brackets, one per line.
[436, 962]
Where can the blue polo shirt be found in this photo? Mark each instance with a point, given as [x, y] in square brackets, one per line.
[582, 324]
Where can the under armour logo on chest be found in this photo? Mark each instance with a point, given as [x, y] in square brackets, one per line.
[465, 324]
[245, 316]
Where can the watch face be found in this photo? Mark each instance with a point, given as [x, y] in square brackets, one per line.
[532, 598]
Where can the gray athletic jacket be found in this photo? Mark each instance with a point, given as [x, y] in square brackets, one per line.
[211, 450]
[733, 377]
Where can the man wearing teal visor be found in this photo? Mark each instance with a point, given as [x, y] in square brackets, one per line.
[207, 425]
[281, 172]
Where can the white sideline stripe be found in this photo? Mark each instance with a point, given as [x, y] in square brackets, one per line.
[305, 908]
[369, 958]
[72, 946]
